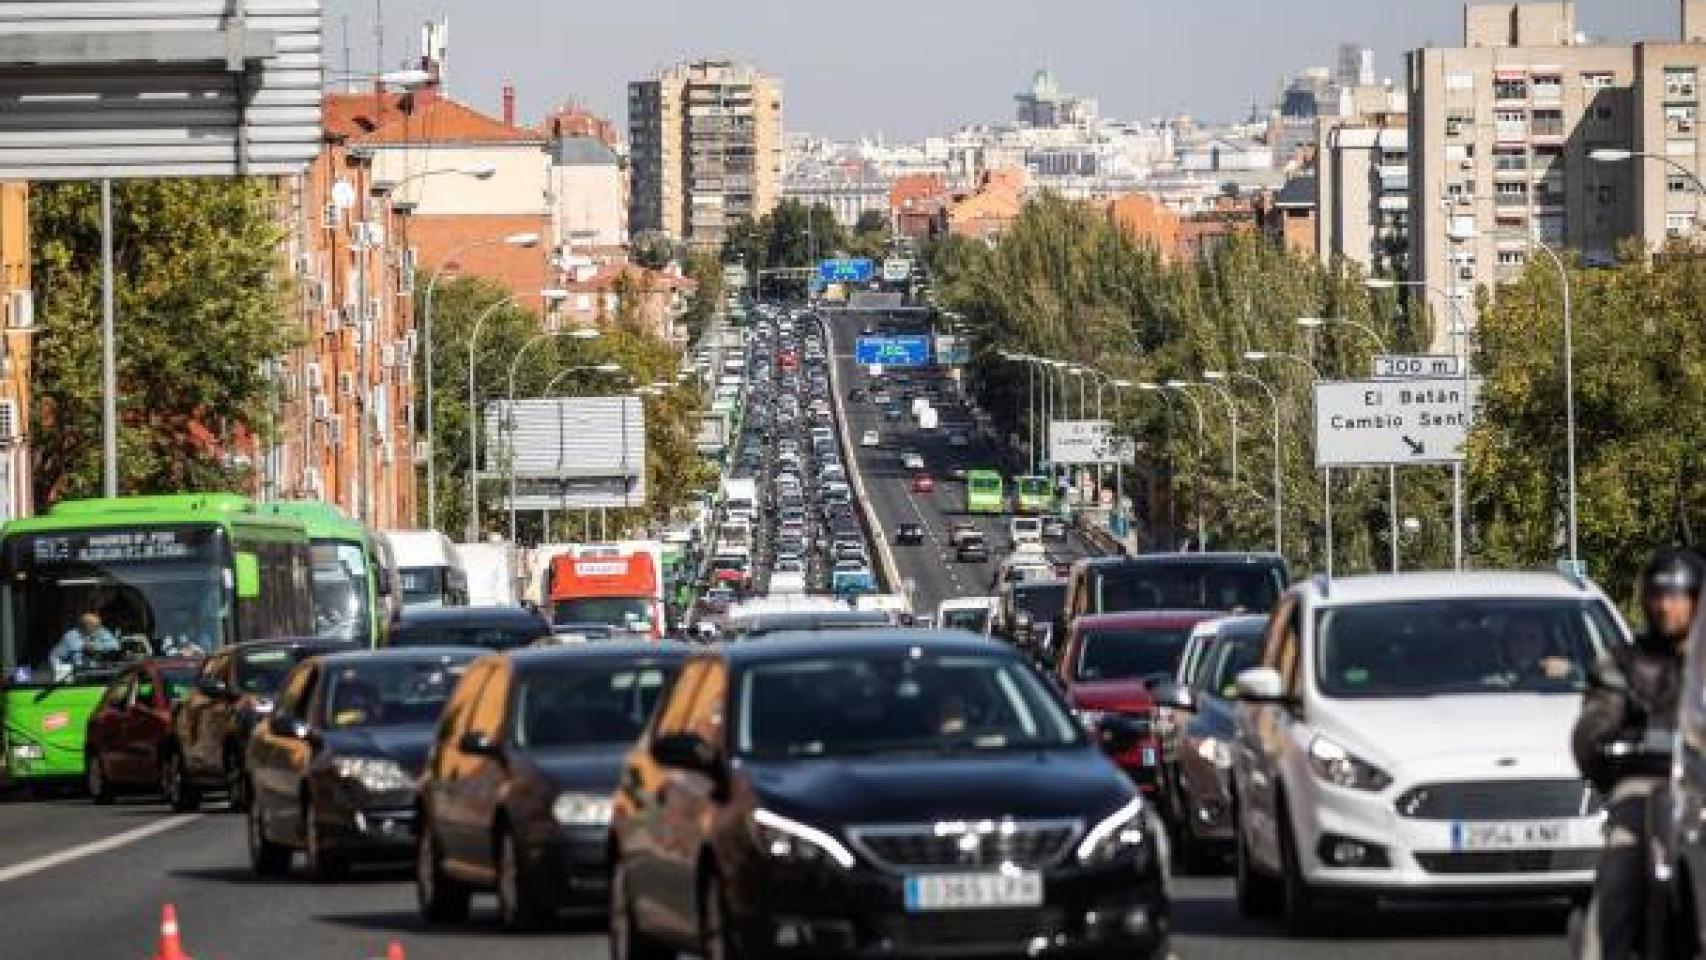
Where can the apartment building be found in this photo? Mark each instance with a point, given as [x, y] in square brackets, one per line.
[1502, 133]
[17, 322]
[1362, 163]
[706, 149]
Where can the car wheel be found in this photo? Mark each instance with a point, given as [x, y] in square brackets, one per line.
[1299, 905]
[1256, 894]
[95, 777]
[324, 863]
[519, 905]
[268, 859]
[441, 899]
[718, 939]
[627, 940]
[176, 786]
[236, 783]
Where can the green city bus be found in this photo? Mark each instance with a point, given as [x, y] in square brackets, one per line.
[985, 492]
[1032, 494]
[166, 574]
[353, 585]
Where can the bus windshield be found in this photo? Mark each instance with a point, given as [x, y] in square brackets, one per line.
[155, 590]
[342, 609]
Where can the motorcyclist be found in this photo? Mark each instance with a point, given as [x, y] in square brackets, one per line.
[1633, 686]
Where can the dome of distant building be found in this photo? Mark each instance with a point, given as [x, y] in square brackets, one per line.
[1043, 85]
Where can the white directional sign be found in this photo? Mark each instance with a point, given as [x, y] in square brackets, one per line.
[1418, 366]
[1080, 442]
[1362, 423]
[897, 270]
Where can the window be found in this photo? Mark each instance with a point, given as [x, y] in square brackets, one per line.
[1603, 113]
[1548, 123]
[1598, 80]
[1549, 228]
[1510, 88]
[1548, 160]
[1680, 113]
[1510, 194]
[1676, 183]
[1510, 124]
[1512, 258]
[1510, 158]
[1680, 83]
[1458, 123]
[1548, 87]
[1679, 224]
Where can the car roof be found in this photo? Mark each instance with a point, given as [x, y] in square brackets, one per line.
[400, 654]
[1400, 587]
[1147, 618]
[287, 643]
[1182, 559]
[871, 640]
[527, 659]
[461, 616]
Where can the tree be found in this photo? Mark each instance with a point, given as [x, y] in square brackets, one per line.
[199, 311]
[791, 236]
[706, 272]
[654, 249]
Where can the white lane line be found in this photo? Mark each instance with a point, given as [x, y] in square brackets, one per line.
[18, 871]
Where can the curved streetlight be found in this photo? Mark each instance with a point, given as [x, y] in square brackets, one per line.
[1569, 398]
[1610, 155]
[576, 333]
[1279, 487]
[1231, 414]
[551, 386]
[1031, 364]
[514, 240]
[1161, 390]
[1262, 356]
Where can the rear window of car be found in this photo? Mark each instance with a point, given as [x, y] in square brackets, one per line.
[1235, 586]
[487, 636]
[262, 671]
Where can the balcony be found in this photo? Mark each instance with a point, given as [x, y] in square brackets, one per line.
[1394, 176]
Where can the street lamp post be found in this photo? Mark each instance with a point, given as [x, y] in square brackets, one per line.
[518, 239]
[1279, 488]
[1569, 399]
[1258, 356]
[1202, 446]
[578, 333]
[1231, 415]
[1310, 323]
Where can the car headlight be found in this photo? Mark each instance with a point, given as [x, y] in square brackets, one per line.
[1215, 752]
[1117, 835]
[1334, 764]
[375, 774]
[581, 809]
[784, 839]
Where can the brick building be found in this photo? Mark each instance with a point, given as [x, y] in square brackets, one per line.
[17, 315]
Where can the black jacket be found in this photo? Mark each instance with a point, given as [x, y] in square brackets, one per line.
[1631, 687]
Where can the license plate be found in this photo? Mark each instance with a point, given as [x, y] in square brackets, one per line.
[1149, 756]
[973, 891]
[1510, 835]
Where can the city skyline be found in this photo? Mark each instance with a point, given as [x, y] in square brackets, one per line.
[890, 87]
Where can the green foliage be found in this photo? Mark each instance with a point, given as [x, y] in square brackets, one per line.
[199, 309]
[789, 236]
[705, 270]
[674, 469]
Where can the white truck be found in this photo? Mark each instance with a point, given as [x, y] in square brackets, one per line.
[785, 584]
[491, 575]
[928, 419]
[740, 499]
[429, 567]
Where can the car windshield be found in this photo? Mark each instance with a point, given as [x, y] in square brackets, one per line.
[906, 701]
[588, 705]
[262, 671]
[340, 590]
[973, 620]
[1126, 653]
[1251, 587]
[391, 692]
[1460, 646]
[491, 636]
[611, 610]
[1043, 603]
[1229, 657]
[422, 586]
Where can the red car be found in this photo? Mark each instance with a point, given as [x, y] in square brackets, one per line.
[923, 483]
[1103, 666]
[131, 723]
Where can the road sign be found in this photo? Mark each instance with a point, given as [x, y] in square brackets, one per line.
[1082, 442]
[912, 351]
[846, 270]
[897, 270]
[953, 351]
[1416, 366]
[159, 88]
[1363, 423]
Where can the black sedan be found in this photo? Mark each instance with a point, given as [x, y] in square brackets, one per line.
[516, 796]
[878, 793]
[333, 771]
[909, 534]
[491, 628]
[972, 549]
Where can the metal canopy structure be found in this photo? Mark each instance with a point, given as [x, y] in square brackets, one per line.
[156, 88]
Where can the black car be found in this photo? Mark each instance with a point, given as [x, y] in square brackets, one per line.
[491, 628]
[516, 796]
[233, 692]
[973, 548]
[1054, 528]
[333, 771]
[909, 534]
[1233, 582]
[878, 793]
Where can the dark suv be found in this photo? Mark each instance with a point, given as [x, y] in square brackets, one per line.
[210, 729]
[516, 792]
[1233, 582]
[878, 792]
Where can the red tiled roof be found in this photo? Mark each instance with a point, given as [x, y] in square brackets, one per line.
[418, 119]
[351, 115]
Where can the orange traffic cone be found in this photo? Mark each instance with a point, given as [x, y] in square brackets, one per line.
[171, 947]
[394, 951]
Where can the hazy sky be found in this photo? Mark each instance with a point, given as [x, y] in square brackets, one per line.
[910, 67]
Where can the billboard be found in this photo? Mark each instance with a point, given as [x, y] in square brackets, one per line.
[897, 270]
[572, 452]
[908, 351]
[953, 351]
[1368, 423]
[1085, 442]
[159, 88]
[846, 270]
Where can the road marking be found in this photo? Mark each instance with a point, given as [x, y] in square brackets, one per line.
[18, 871]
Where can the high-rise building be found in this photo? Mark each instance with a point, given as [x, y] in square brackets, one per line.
[1044, 106]
[1501, 136]
[1362, 162]
[705, 149]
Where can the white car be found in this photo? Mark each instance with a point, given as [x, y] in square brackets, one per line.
[911, 461]
[1410, 735]
[870, 439]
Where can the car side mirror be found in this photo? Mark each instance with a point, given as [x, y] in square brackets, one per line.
[1170, 694]
[289, 728]
[1119, 734]
[478, 744]
[1261, 685]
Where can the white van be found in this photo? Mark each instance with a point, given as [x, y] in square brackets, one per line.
[429, 568]
[1026, 530]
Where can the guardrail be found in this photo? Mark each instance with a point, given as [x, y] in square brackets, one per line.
[887, 572]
